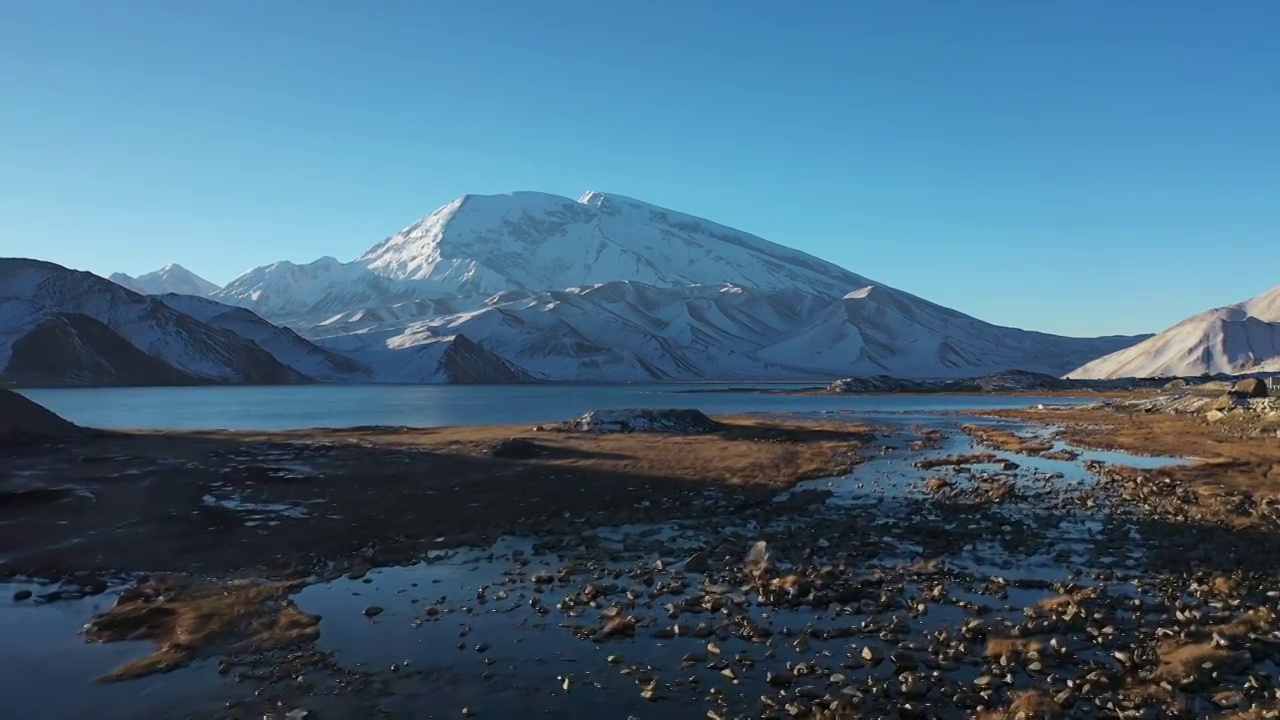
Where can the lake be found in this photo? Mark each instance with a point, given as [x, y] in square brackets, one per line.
[307, 406]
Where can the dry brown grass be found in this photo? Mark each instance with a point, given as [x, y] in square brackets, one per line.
[749, 450]
[1229, 462]
[190, 620]
[1006, 440]
[399, 488]
[937, 483]
[1182, 658]
[924, 566]
[1024, 705]
[1000, 646]
[1061, 602]
[956, 461]
[1057, 602]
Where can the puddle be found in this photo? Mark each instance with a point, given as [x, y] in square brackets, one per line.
[492, 629]
[49, 669]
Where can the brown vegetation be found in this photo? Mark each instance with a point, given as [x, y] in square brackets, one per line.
[937, 483]
[143, 498]
[1231, 463]
[1007, 440]
[1202, 652]
[957, 461]
[1024, 705]
[188, 620]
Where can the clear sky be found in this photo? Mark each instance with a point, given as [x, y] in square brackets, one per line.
[1081, 167]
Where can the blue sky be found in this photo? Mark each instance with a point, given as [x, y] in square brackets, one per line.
[1084, 167]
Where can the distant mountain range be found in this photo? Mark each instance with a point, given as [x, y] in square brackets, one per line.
[530, 286]
[168, 279]
[1236, 339]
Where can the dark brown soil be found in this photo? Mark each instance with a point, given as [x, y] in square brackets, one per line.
[295, 501]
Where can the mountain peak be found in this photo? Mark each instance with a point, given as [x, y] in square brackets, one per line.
[1239, 338]
[172, 278]
[480, 245]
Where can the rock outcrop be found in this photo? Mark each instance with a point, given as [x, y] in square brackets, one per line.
[24, 422]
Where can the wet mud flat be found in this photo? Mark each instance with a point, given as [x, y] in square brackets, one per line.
[293, 502]
[959, 568]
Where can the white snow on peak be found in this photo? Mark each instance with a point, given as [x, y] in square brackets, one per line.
[172, 278]
[1239, 338]
[480, 245]
[860, 293]
[609, 288]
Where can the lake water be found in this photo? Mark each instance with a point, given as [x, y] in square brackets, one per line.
[307, 406]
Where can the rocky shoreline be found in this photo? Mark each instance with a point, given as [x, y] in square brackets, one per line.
[959, 567]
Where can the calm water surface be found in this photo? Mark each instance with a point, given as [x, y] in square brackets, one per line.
[292, 407]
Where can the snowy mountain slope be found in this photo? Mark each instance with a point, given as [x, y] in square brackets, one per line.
[1239, 338]
[878, 330]
[478, 246]
[69, 349]
[80, 310]
[614, 331]
[398, 313]
[607, 288]
[634, 332]
[423, 357]
[304, 294]
[284, 344]
[171, 278]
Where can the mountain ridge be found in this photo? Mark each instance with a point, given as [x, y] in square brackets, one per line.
[606, 288]
[1233, 339]
[172, 278]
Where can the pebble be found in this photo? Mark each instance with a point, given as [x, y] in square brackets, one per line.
[372, 611]
[22, 595]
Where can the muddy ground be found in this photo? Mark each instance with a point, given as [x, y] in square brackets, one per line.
[947, 568]
[291, 502]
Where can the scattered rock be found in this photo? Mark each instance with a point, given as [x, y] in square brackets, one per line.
[640, 420]
[1250, 388]
[22, 595]
[698, 562]
[372, 611]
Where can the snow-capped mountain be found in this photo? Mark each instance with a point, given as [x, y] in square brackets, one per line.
[877, 330]
[171, 278]
[63, 327]
[627, 331]
[1239, 338]
[284, 344]
[609, 288]
[477, 247]
[304, 294]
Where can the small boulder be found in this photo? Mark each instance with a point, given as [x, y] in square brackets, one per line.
[1225, 403]
[698, 563]
[686, 421]
[1249, 388]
